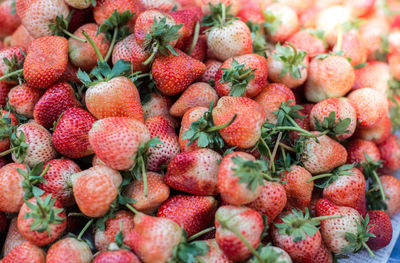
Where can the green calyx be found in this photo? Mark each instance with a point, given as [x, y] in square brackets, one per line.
[18, 145]
[44, 214]
[329, 178]
[14, 70]
[354, 23]
[371, 174]
[268, 255]
[259, 42]
[60, 27]
[6, 128]
[292, 59]
[188, 252]
[32, 177]
[205, 132]
[358, 241]
[139, 167]
[237, 77]
[330, 127]
[272, 22]
[103, 72]
[159, 38]
[219, 16]
[119, 240]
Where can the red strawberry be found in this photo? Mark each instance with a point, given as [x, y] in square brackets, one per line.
[377, 133]
[13, 238]
[173, 74]
[122, 221]
[245, 131]
[25, 252]
[308, 42]
[212, 66]
[199, 51]
[4, 90]
[281, 22]
[298, 187]
[158, 193]
[235, 224]
[194, 172]
[159, 105]
[69, 249]
[95, 189]
[21, 38]
[11, 59]
[53, 103]
[192, 213]
[374, 75]
[163, 153]
[71, 134]
[198, 94]
[22, 99]
[214, 254]
[323, 255]
[9, 21]
[42, 220]
[390, 154]
[271, 201]
[391, 188]
[357, 149]
[120, 256]
[58, 178]
[271, 98]
[188, 18]
[381, 227]
[54, 51]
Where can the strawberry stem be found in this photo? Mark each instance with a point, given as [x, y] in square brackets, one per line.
[84, 229]
[136, 212]
[378, 181]
[73, 36]
[320, 218]
[94, 46]
[222, 126]
[287, 147]
[339, 41]
[153, 54]
[144, 177]
[195, 38]
[110, 49]
[11, 74]
[368, 249]
[319, 177]
[8, 151]
[274, 151]
[199, 234]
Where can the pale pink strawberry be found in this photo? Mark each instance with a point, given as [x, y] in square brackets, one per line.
[159, 105]
[13, 238]
[212, 67]
[377, 133]
[69, 249]
[23, 99]
[25, 252]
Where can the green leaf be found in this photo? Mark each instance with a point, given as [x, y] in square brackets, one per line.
[116, 22]
[332, 126]
[250, 172]
[258, 37]
[268, 254]
[272, 22]
[292, 59]
[219, 17]
[186, 252]
[237, 77]
[358, 239]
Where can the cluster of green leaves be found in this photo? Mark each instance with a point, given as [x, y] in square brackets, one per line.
[288, 113]
[354, 23]
[44, 214]
[374, 200]
[237, 77]
[331, 127]
[334, 175]
[250, 172]
[272, 22]
[268, 254]
[115, 27]
[187, 252]
[6, 128]
[146, 83]
[18, 145]
[141, 158]
[14, 65]
[60, 25]
[219, 16]
[291, 58]
[257, 35]
[358, 241]
[298, 225]
[32, 177]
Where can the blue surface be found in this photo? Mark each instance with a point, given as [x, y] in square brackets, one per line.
[395, 256]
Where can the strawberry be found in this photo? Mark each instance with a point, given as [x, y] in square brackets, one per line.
[374, 75]
[244, 75]
[331, 76]
[336, 114]
[128, 49]
[173, 74]
[23, 98]
[239, 231]
[348, 233]
[122, 221]
[9, 22]
[79, 4]
[13, 238]
[42, 220]
[244, 132]
[227, 37]
[25, 252]
[69, 249]
[381, 227]
[53, 50]
[280, 21]
[105, 8]
[4, 90]
[71, 133]
[212, 66]
[378, 133]
[358, 149]
[156, 104]
[161, 154]
[308, 41]
[11, 60]
[288, 66]
[323, 255]
[83, 55]
[12, 196]
[53, 103]
[322, 156]
[158, 193]
[199, 49]
[162, 5]
[194, 172]
[95, 189]
[198, 94]
[161, 234]
[57, 180]
[370, 106]
[191, 126]
[373, 30]
[353, 46]
[192, 213]
[271, 98]
[298, 187]
[188, 18]
[21, 37]
[391, 188]
[120, 256]
[271, 201]
[390, 154]
[214, 254]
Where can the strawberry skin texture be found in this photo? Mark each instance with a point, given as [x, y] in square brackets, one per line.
[212, 66]
[25, 252]
[21, 37]
[214, 254]
[192, 213]
[8, 22]
[12, 195]
[323, 255]
[159, 105]
[391, 187]
[23, 99]
[390, 154]
[46, 61]
[69, 250]
[377, 133]
[357, 149]
[120, 256]
[298, 190]
[13, 238]
[303, 40]
[71, 136]
[54, 101]
[381, 227]
[173, 74]
[4, 90]
[374, 75]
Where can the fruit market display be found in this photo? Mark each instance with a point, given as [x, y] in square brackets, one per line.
[198, 131]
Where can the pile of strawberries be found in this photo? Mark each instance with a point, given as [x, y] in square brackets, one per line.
[198, 131]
